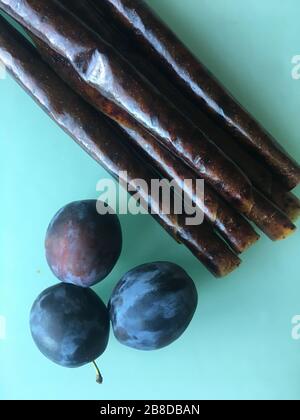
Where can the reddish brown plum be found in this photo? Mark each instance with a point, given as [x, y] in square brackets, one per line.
[82, 246]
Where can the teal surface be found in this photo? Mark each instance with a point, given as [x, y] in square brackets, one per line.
[239, 345]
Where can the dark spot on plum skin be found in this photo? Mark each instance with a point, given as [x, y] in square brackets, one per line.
[122, 334]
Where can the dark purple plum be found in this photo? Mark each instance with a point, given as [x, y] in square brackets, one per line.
[152, 305]
[70, 325]
[82, 246]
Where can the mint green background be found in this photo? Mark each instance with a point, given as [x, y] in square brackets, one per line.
[239, 345]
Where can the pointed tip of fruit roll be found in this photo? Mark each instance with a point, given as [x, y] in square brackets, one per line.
[209, 248]
[294, 180]
[293, 210]
[288, 202]
[270, 219]
[224, 264]
[249, 243]
[294, 214]
[244, 234]
[287, 232]
[230, 268]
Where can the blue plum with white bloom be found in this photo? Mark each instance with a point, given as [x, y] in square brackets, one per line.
[70, 325]
[152, 305]
[82, 246]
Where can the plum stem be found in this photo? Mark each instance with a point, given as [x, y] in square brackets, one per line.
[99, 378]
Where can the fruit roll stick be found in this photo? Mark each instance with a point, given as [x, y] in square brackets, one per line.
[267, 216]
[111, 34]
[258, 173]
[288, 202]
[105, 144]
[280, 228]
[263, 210]
[184, 69]
[100, 75]
[233, 227]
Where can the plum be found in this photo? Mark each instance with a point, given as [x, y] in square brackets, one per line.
[70, 325]
[82, 246]
[152, 305]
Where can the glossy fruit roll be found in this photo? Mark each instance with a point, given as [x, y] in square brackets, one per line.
[99, 74]
[262, 209]
[259, 174]
[90, 15]
[270, 219]
[288, 202]
[239, 234]
[105, 144]
[184, 69]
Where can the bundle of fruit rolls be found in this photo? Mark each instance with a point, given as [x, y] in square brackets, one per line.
[100, 75]
[262, 212]
[158, 41]
[104, 143]
[131, 118]
[257, 173]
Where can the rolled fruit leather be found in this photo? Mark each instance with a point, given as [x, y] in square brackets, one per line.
[267, 217]
[258, 173]
[100, 75]
[97, 137]
[186, 71]
[270, 219]
[233, 227]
